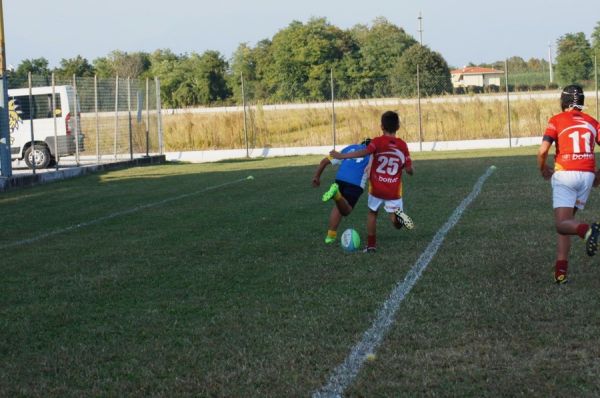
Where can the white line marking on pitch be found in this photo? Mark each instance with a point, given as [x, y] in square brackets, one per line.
[117, 214]
[345, 373]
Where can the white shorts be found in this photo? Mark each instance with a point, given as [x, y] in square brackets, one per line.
[390, 206]
[571, 188]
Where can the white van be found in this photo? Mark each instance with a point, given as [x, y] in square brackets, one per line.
[21, 114]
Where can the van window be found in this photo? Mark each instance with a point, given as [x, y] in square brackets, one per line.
[42, 106]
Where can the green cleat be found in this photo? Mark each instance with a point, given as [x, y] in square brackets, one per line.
[333, 189]
[329, 239]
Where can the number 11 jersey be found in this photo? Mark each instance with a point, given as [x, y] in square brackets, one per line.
[574, 134]
[390, 156]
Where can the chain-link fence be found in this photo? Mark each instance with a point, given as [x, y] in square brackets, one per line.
[122, 118]
[432, 109]
[57, 122]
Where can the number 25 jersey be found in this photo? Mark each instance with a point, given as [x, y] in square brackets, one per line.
[390, 156]
[574, 134]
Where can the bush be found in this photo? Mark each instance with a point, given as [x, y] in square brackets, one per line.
[553, 86]
[522, 87]
[492, 88]
[475, 89]
[459, 90]
[538, 87]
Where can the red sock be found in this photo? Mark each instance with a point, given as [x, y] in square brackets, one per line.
[582, 229]
[371, 241]
[561, 266]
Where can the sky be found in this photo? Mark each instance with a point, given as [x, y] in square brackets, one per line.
[462, 31]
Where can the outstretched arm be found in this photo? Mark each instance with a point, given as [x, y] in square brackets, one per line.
[316, 181]
[349, 155]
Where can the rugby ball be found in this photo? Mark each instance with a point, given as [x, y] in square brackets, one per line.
[350, 240]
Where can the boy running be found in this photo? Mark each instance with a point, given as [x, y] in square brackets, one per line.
[574, 134]
[349, 183]
[390, 156]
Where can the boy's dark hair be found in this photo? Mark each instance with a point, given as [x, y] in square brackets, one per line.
[390, 121]
[366, 142]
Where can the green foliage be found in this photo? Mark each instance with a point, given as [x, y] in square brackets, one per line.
[381, 47]
[301, 57]
[77, 66]
[596, 39]
[434, 74]
[573, 61]
[39, 71]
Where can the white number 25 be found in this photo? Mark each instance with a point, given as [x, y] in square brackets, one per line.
[387, 165]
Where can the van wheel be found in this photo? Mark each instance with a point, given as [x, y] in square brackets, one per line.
[41, 155]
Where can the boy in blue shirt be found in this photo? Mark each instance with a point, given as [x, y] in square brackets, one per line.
[349, 184]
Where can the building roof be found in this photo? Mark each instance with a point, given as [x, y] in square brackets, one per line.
[475, 70]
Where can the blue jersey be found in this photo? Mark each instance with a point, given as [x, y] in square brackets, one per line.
[352, 170]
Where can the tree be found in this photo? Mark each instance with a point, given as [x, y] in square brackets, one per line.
[77, 66]
[123, 64]
[596, 39]
[300, 58]
[191, 80]
[39, 71]
[381, 46]
[434, 73]
[245, 60]
[573, 61]
[516, 65]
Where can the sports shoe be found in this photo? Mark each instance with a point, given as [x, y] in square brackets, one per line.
[591, 239]
[333, 189]
[370, 249]
[329, 239]
[404, 219]
[560, 276]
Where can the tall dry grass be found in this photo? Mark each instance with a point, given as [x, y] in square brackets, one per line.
[441, 121]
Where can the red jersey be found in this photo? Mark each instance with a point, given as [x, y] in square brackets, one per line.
[390, 156]
[574, 134]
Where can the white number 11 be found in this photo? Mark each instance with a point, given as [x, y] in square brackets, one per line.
[575, 136]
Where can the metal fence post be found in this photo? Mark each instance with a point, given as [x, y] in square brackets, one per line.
[129, 127]
[97, 119]
[333, 129]
[5, 156]
[419, 109]
[32, 145]
[116, 115]
[245, 119]
[76, 112]
[596, 79]
[507, 103]
[159, 116]
[56, 157]
[147, 117]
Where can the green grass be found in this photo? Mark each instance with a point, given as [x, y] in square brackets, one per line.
[230, 291]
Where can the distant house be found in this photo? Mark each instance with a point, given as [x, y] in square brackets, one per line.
[476, 76]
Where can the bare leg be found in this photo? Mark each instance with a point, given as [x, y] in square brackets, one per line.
[395, 221]
[343, 206]
[335, 218]
[566, 225]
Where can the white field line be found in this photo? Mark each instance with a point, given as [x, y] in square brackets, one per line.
[117, 214]
[345, 373]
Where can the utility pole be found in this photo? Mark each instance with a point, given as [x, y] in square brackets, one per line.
[550, 63]
[420, 29]
[5, 161]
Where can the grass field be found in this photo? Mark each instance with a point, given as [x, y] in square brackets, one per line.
[192, 280]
